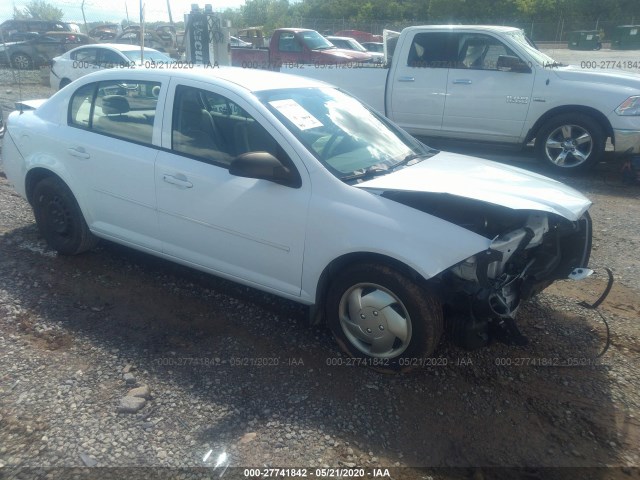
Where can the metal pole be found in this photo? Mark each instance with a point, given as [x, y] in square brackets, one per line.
[169, 10]
[141, 33]
[84, 18]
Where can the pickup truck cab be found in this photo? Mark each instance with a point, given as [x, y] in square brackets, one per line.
[296, 46]
[490, 83]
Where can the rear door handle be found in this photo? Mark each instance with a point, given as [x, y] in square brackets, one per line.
[406, 79]
[78, 152]
[462, 81]
[179, 180]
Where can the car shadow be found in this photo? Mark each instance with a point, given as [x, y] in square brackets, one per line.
[259, 369]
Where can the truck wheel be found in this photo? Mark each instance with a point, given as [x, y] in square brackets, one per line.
[64, 82]
[570, 142]
[21, 61]
[59, 218]
[381, 316]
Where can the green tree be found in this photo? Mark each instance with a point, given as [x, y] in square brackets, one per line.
[39, 10]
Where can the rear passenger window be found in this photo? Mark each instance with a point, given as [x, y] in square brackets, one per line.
[80, 106]
[434, 50]
[120, 109]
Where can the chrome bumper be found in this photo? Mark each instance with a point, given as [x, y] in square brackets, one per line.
[626, 139]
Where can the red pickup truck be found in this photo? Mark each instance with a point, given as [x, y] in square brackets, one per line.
[295, 46]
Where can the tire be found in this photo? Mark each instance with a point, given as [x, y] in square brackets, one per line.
[362, 303]
[59, 218]
[570, 142]
[21, 61]
[63, 83]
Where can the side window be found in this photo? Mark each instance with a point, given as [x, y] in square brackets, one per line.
[80, 106]
[433, 50]
[110, 59]
[481, 52]
[119, 109]
[85, 56]
[212, 128]
[288, 43]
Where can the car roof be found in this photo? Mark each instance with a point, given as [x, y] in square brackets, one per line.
[334, 37]
[243, 78]
[121, 47]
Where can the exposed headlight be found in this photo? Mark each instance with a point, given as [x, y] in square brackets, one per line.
[631, 106]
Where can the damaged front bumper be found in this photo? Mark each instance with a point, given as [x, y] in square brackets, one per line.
[487, 289]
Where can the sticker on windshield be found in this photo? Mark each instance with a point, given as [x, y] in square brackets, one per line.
[296, 113]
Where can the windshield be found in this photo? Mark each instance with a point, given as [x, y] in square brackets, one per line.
[348, 138]
[356, 46]
[149, 56]
[541, 58]
[314, 41]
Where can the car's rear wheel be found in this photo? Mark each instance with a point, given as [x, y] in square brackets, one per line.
[570, 142]
[21, 61]
[59, 218]
[383, 317]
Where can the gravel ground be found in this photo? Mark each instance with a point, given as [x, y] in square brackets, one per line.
[225, 374]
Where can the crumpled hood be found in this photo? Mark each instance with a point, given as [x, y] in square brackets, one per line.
[485, 181]
[609, 77]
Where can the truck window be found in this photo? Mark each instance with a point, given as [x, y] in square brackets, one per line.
[480, 52]
[433, 50]
[289, 43]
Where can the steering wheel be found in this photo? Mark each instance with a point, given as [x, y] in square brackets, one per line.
[329, 145]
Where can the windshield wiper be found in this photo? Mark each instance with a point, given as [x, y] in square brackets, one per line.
[414, 156]
[374, 172]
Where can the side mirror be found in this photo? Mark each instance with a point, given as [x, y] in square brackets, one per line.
[509, 63]
[264, 166]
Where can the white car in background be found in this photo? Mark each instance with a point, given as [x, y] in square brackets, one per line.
[291, 186]
[348, 43]
[87, 59]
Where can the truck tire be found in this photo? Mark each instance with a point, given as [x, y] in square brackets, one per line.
[382, 317]
[571, 142]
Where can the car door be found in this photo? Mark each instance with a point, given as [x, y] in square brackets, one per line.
[485, 101]
[109, 152]
[418, 86]
[243, 228]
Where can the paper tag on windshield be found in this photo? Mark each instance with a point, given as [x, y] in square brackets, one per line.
[296, 113]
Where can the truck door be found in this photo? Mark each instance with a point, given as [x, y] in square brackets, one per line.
[486, 99]
[417, 87]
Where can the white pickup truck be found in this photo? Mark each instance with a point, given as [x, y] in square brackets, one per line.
[490, 83]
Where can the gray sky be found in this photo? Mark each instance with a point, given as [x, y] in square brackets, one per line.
[116, 10]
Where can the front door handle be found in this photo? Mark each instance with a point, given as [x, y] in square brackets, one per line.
[462, 81]
[179, 180]
[406, 79]
[78, 152]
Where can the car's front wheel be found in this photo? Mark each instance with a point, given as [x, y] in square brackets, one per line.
[383, 317]
[570, 142]
[59, 218]
[22, 61]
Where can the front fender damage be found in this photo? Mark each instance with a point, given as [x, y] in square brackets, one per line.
[530, 249]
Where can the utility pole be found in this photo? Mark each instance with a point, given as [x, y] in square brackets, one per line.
[84, 18]
[169, 10]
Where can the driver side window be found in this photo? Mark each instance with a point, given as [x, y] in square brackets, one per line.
[211, 128]
[480, 52]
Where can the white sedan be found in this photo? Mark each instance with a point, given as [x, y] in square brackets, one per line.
[293, 187]
[81, 61]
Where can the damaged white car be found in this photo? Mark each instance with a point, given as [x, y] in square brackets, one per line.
[294, 187]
